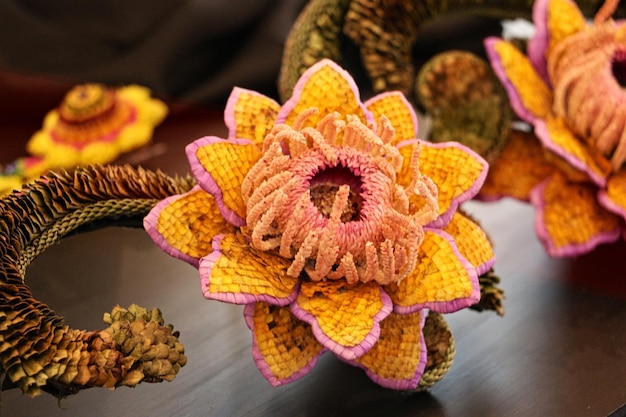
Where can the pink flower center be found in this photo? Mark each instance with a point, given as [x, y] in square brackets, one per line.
[326, 197]
[588, 71]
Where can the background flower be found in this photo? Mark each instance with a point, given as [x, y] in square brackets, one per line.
[94, 124]
[569, 89]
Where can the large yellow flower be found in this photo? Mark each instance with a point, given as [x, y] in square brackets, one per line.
[94, 124]
[333, 224]
[570, 89]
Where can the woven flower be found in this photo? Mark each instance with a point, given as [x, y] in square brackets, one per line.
[94, 124]
[569, 88]
[332, 224]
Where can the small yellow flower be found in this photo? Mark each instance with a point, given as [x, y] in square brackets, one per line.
[570, 89]
[332, 224]
[94, 124]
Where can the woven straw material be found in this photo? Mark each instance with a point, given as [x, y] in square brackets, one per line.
[93, 124]
[349, 227]
[439, 275]
[471, 240]
[240, 269]
[288, 347]
[588, 220]
[227, 164]
[315, 36]
[385, 33]
[186, 224]
[576, 113]
[252, 115]
[37, 351]
[398, 353]
[442, 167]
[615, 190]
[441, 350]
[522, 154]
[466, 102]
[322, 91]
[491, 295]
[535, 94]
[286, 344]
[345, 314]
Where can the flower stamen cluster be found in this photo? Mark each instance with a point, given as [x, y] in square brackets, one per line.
[326, 197]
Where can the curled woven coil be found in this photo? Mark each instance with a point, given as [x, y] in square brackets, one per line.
[38, 352]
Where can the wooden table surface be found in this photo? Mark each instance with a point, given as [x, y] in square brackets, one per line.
[560, 349]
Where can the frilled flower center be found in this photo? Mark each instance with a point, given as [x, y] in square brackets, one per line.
[326, 197]
[91, 113]
[588, 71]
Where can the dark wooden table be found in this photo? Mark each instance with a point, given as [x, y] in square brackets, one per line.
[560, 350]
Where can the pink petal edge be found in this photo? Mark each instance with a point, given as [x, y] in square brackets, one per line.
[538, 44]
[229, 110]
[150, 225]
[610, 205]
[498, 68]
[444, 218]
[259, 359]
[452, 305]
[304, 78]
[400, 384]
[207, 182]
[205, 268]
[536, 199]
[406, 102]
[541, 131]
[341, 351]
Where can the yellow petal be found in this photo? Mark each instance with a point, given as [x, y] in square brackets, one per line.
[457, 172]
[326, 87]
[150, 111]
[284, 347]
[442, 280]
[398, 110]
[564, 19]
[472, 242]
[184, 226]
[397, 360]
[614, 196]
[529, 95]
[250, 115]
[345, 318]
[236, 273]
[520, 166]
[558, 138]
[220, 167]
[570, 220]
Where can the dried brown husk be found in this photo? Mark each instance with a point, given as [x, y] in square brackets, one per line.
[37, 350]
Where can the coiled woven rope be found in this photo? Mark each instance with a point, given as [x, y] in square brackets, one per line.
[37, 350]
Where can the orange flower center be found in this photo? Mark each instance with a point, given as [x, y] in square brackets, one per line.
[91, 113]
[326, 197]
